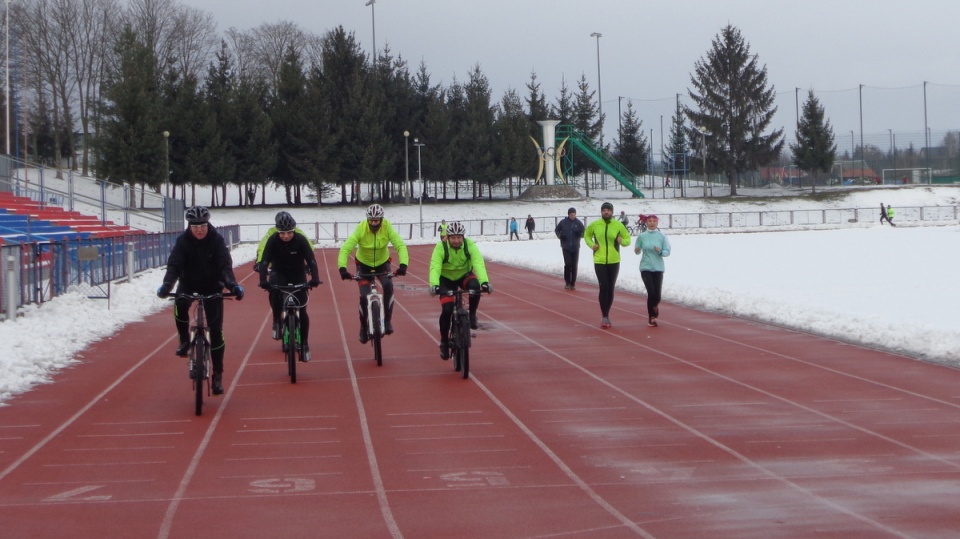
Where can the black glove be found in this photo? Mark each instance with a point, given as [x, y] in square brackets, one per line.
[238, 291]
[485, 287]
[264, 284]
[164, 291]
[314, 282]
[434, 290]
[401, 270]
[345, 275]
[256, 267]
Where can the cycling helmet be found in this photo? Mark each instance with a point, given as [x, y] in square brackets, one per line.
[197, 215]
[456, 228]
[285, 222]
[375, 211]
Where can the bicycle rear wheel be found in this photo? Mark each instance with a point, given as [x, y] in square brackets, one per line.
[377, 335]
[290, 338]
[200, 360]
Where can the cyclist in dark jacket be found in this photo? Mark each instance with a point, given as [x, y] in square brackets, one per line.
[286, 258]
[201, 263]
[570, 231]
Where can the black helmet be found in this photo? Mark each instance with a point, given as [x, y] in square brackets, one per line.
[197, 215]
[285, 222]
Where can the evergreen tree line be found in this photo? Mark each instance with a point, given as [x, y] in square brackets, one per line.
[157, 101]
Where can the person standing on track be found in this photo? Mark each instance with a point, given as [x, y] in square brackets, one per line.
[654, 246]
[286, 258]
[281, 217]
[570, 231]
[371, 239]
[456, 263]
[604, 237]
[201, 263]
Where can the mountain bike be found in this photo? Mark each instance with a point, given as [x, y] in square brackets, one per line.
[199, 365]
[460, 336]
[292, 345]
[375, 312]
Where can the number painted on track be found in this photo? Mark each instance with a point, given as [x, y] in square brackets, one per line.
[475, 479]
[282, 486]
[71, 495]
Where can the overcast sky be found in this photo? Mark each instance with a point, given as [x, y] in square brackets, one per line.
[648, 49]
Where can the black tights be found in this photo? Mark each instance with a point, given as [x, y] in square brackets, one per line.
[607, 279]
[653, 281]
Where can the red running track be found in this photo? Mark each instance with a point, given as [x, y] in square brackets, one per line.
[707, 426]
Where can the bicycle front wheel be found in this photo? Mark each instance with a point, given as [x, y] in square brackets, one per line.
[377, 334]
[200, 361]
[291, 338]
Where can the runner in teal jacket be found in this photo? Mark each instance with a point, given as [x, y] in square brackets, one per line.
[652, 246]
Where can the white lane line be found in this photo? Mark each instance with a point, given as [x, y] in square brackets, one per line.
[167, 524]
[385, 511]
[83, 410]
[130, 435]
[301, 429]
[434, 438]
[141, 448]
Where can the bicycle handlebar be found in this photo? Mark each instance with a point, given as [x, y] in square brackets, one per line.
[361, 276]
[291, 287]
[194, 296]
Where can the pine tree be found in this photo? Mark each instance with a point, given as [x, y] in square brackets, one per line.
[513, 148]
[131, 144]
[631, 148]
[537, 109]
[734, 105]
[815, 150]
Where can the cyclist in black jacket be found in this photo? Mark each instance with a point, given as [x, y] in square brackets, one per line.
[286, 257]
[202, 264]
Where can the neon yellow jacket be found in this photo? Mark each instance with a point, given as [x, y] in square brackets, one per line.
[457, 262]
[372, 247]
[609, 235]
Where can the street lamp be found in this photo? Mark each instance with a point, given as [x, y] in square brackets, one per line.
[598, 35]
[406, 163]
[166, 160]
[418, 144]
[373, 23]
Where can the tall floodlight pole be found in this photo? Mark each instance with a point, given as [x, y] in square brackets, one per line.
[373, 23]
[598, 35]
[863, 164]
[6, 85]
[406, 163]
[418, 144]
[926, 135]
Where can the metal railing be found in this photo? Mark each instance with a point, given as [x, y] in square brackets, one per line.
[334, 232]
[36, 272]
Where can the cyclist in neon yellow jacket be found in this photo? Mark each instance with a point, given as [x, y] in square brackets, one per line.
[605, 237]
[456, 263]
[371, 239]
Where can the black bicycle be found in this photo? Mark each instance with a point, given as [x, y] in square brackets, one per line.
[460, 335]
[292, 344]
[375, 313]
[200, 366]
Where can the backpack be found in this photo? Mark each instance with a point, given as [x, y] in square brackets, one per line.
[446, 251]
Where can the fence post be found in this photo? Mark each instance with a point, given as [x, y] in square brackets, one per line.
[11, 292]
[130, 262]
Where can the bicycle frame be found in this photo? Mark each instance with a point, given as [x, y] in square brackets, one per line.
[375, 312]
[199, 364]
[290, 322]
[460, 336]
